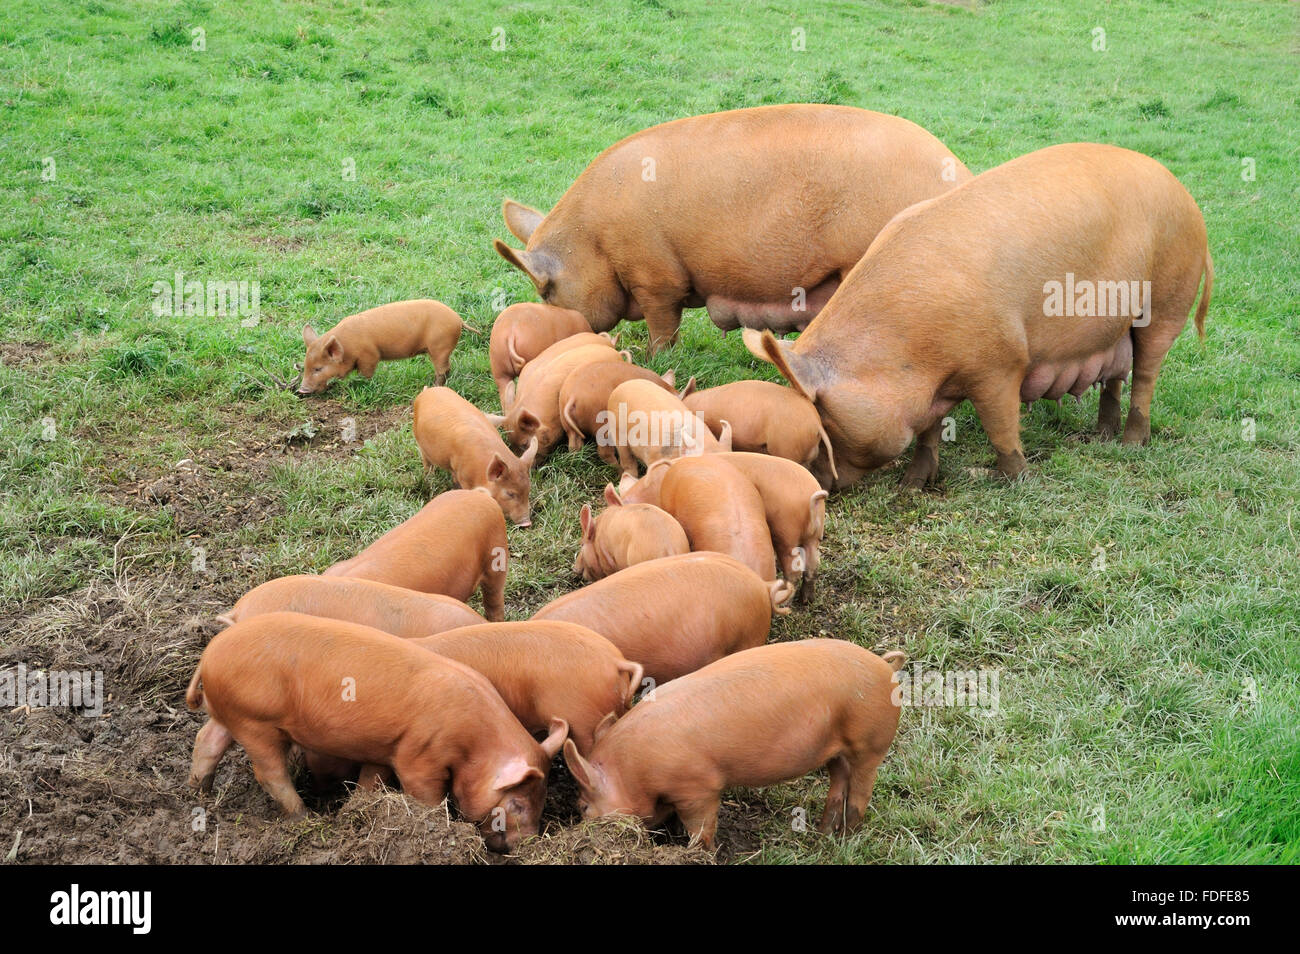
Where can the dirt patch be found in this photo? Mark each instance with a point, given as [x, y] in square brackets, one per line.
[607, 841]
[17, 353]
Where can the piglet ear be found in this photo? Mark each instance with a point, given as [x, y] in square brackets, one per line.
[308, 335]
[612, 498]
[515, 772]
[626, 483]
[606, 723]
[528, 422]
[529, 455]
[496, 420]
[559, 735]
[579, 767]
[333, 350]
[584, 517]
[687, 391]
[496, 468]
[725, 437]
[670, 378]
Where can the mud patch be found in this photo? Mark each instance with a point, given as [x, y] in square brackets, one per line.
[15, 354]
[615, 840]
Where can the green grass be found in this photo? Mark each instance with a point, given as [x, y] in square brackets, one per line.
[1122, 689]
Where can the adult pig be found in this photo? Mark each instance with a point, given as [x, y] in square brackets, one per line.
[765, 418]
[678, 613]
[455, 544]
[359, 342]
[358, 695]
[625, 534]
[1067, 267]
[391, 609]
[546, 671]
[756, 214]
[523, 331]
[762, 716]
[456, 436]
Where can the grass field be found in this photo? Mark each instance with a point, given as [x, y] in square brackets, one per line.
[1148, 697]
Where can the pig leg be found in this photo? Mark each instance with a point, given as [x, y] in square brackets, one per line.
[924, 467]
[441, 366]
[372, 776]
[493, 589]
[419, 785]
[663, 319]
[268, 750]
[862, 779]
[1149, 350]
[699, 816]
[833, 816]
[1108, 410]
[999, 412]
[209, 746]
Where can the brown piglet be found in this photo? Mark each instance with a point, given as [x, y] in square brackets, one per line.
[794, 504]
[358, 695]
[391, 609]
[678, 613]
[546, 671]
[536, 367]
[756, 718]
[646, 423]
[721, 510]
[523, 331]
[455, 435]
[455, 544]
[625, 534]
[765, 418]
[359, 342]
[585, 394]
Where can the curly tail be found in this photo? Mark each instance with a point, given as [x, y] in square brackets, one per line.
[1204, 306]
[895, 658]
[193, 694]
[830, 452]
[780, 592]
[635, 673]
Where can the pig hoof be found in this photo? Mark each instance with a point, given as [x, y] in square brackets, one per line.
[1011, 466]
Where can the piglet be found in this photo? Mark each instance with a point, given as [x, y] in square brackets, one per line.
[456, 436]
[536, 367]
[359, 342]
[536, 410]
[678, 613]
[391, 609]
[721, 510]
[353, 693]
[765, 418]
[646, 423]
[455, 544]
[585, 394]
[546, 671]
[762, 716]
[624, 535]
[794, 505]
[522, 332]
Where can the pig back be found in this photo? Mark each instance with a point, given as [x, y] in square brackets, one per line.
[391, 609]
[446, 547]
[674, 614]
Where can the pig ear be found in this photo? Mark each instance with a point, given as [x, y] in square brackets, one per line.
[496, 420]
[579, 767]
[333, 350]
[626, 483]
[308, 335]
[725, 437]
[604, 724]
[515, 772]
[584, 517]
[670, 378]
[535, 265]
[559, 734]
[764, 345]
[686, 391]
[528, 422]
[611, 496]
[529, 455]
[521, 220]
[496, 468]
